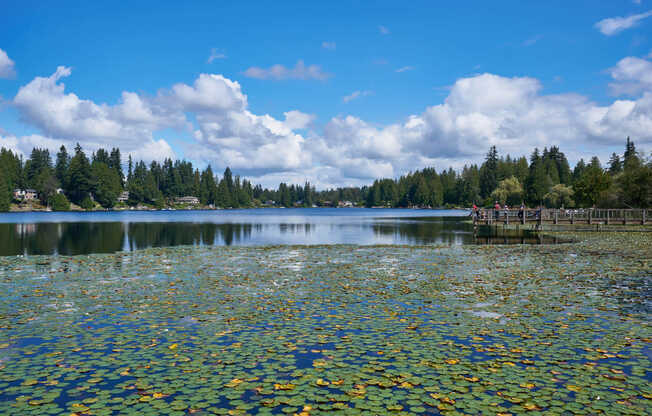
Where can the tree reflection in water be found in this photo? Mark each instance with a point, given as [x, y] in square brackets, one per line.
[71, 238]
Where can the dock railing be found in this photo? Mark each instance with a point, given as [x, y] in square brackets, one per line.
[563, 216]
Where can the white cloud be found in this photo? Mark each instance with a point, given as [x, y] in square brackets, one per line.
[280, 72]
[632, 75]
[481, 111]
[478, 111]
[64, 117]
[355, 95]
[614, 25]
[383, 30]
[6, 66]
[405, 68]
[329, 45]
[295, 119]
[215, 54]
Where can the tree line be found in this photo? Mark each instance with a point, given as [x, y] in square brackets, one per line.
[546, 178]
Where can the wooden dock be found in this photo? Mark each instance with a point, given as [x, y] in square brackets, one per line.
[545, 216]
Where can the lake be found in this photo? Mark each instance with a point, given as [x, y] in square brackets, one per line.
[73, 233]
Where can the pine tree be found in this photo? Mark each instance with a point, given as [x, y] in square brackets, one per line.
[488, 173]
[5, 194]
[115, 163]
[79, 178]
[61, 167]
[615, 165]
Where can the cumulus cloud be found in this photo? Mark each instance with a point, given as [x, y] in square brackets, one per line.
[215, 54]
[482, 110]
[280, 72]
[329, 45]
[632, 75]
[355, 95]
[614, 25]
[6, 66]
[65, 117]
[295, 119]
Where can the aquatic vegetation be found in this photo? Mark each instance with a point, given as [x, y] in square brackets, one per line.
[560, 329]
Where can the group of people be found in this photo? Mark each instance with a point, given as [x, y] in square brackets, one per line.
[497, 208]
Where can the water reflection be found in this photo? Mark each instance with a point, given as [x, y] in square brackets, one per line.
[451, 230]
[71, 238]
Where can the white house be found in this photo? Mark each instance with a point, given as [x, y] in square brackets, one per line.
[25, 194]
[123, 197]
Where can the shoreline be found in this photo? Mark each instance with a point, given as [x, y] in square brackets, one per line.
[14, 210]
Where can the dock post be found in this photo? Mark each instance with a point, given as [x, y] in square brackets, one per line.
[571, 218]
[608, 215]
[556, 217]
[590, 222]
[643, 217]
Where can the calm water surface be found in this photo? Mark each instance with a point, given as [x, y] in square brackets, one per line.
[71, 233]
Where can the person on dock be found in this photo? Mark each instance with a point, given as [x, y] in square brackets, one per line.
[496, 210]
[521, 211]
[476, 212]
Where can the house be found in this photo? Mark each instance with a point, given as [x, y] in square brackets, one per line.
[25, 194]
[345, 204]
[123, 197]
[192, 200]
[30, 194]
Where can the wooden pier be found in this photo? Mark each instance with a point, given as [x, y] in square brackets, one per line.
[539, 217]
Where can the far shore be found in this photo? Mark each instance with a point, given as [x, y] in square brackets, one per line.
[38, 208]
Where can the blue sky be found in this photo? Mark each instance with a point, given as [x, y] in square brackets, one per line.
[427, 83]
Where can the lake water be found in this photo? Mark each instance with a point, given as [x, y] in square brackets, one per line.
[72, 233]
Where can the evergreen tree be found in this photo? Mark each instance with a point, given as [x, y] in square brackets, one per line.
[5, 194]
[228, 179]
[635, 185]
[79, 177]
[630, 157]
[207, 191]
[107, 186]
[580, 167]
[115, 163]
[538, 182]
[615, 165]
[196, 183]
[101, 156]
[38, 163]
[61, 167]
[488, 173]
[130, 169]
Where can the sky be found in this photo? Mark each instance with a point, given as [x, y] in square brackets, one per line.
[335, 93]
